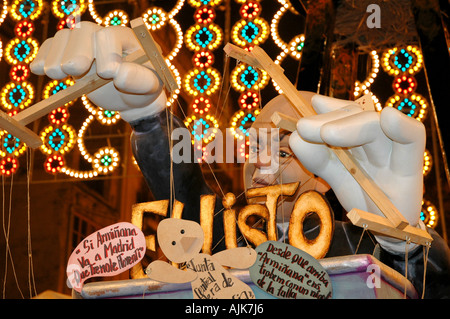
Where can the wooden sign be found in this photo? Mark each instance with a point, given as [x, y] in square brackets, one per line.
[107, 252]
[289, 273]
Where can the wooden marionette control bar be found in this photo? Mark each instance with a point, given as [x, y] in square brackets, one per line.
[16, 124]
[394, 219]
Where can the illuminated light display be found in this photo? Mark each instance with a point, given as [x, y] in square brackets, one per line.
[106, 160]
[204, 15]
[199, 81]
[402, 60]
[296, 46]
[427, 162]
[80, 139]
[243, 149]
[53, 164]
[26, 9]
[4, 11]
[199, 3]
[249, 100]
[204, 129]
[274, 26]
[55, 86]
[19, 73]
[17, 95]
[64, 8]
[203, 59]
[414, 106]
[116, 17]
[58, 116]
[200, 37]
[105, 117]
[59, 139]
[8, 166]
[405, 85]
[11, 145]
[245, 33]
[24, 29]
[245, 77]
[250, 10]
[155, 18]
[21, 51]
[362, 88]
[201, 105]
[429, 214]
[241, 122]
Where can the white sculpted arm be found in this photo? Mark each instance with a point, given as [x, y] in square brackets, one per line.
[136, 91]
[388, 145]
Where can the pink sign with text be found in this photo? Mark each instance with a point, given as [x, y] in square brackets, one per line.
[107, 252]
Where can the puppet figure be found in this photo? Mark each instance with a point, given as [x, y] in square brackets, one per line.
[181, 242]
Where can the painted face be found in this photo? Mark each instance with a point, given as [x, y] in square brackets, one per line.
[288, 169]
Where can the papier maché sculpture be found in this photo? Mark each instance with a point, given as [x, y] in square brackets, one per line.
[389, 145]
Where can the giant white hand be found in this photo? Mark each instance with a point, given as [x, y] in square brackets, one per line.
[389, 145]
[136, 91]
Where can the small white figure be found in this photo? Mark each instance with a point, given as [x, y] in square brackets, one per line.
[181, 241]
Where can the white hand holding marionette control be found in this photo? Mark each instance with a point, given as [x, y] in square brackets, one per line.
[388, 145]
[136, 91]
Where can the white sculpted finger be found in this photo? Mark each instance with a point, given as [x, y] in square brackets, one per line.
[52, 66]
[37, 65]
[79, 53]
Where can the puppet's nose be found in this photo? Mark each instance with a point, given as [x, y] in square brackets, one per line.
[188, 242]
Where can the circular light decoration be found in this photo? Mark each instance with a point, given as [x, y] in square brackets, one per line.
[243, 149]
[245, 33]
[19, 73]
[58, 116]
[106, 160]
[24, 29]
[429, 214]
[414, 106]
[199, 3]
[203, 59]
[155, 18]
[250, 10]
[296, 46]
[64, 8]
[274, 26]
[53, 164]
[403, 60]
[203, 129]
[200, 37]
[204, 15]
[17, 95]
[201, 105]
[10, 145]
[8, 166]
[199, 81]
[4, 11]
[405, 84]
[55, 86]
[242, 121]
[59, 139]
[26, 9]
[106, 117]
[427, 162]
[363, 87]
[115, 17]
[245, 77]
[248, 100]
[21, 50]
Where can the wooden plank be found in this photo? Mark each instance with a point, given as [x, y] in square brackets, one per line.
[381, 225]
[83, 86]
[18, 130]
[293, 95]
[284, 121]
[153, 52]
